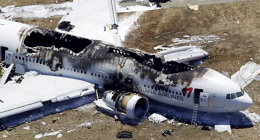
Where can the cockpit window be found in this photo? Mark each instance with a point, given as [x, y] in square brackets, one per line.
[243, 92]
[233, 95]
[228, 96]
[239, 94]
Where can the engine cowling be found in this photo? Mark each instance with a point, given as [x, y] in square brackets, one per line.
[132, 105]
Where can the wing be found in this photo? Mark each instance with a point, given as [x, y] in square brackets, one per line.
[191, 55]
[94, 19]
[34, 89]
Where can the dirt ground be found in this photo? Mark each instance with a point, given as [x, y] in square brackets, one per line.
[237, 23]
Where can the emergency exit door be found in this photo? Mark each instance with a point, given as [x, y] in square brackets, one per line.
[204, 99]
[2, 52]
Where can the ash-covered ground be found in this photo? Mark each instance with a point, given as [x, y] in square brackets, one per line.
[228, 31]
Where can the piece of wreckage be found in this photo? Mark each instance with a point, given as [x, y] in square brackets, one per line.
[128, 77]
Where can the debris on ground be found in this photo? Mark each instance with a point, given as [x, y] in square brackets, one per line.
[167, 132]
[246, 74]
[156, 118]
[124, 134]
[208, 128]
[55, 119]
[223, 126]
[193, 7]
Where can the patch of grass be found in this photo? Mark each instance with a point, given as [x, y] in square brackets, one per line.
[49, 23]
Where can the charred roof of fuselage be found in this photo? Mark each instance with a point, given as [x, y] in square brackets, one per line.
[48, 38]
[151, 60]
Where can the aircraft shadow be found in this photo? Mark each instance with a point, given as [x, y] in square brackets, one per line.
[237, 119]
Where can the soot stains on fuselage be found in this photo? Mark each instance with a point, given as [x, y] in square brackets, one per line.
[63, 50]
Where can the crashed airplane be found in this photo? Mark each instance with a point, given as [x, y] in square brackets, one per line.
[129, 78]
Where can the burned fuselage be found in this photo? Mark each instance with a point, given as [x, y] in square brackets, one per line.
[115, 68]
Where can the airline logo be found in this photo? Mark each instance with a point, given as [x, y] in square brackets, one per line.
[176, 95]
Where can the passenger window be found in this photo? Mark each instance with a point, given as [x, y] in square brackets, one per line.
[148, 86]
[228, 96]
[239, 94]
[144, 85]
[233, 95]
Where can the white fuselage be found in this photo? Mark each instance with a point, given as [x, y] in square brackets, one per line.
[96, 65]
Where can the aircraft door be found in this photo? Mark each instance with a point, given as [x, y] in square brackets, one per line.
[204, 99]
[196, 97]
[8, 57]
[2, 53]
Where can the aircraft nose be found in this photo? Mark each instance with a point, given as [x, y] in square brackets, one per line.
[247, 102]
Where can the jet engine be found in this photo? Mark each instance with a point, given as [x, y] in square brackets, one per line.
[132, 105]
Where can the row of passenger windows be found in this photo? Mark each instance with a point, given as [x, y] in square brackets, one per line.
[43, 62]
[234, 95]
[100, 75]
[159, 88]
[31, 60]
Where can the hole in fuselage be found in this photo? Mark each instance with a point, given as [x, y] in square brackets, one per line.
[52, 38]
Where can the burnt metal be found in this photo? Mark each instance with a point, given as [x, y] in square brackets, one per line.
[49, 38]
[59, 51]
[66, 26]
[151, 61]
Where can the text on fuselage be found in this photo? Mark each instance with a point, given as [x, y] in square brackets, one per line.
[186, 92]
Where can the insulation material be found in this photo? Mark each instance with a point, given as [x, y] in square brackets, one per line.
[223, 126]
[246, 74]
[156, 118]
[193, 7]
